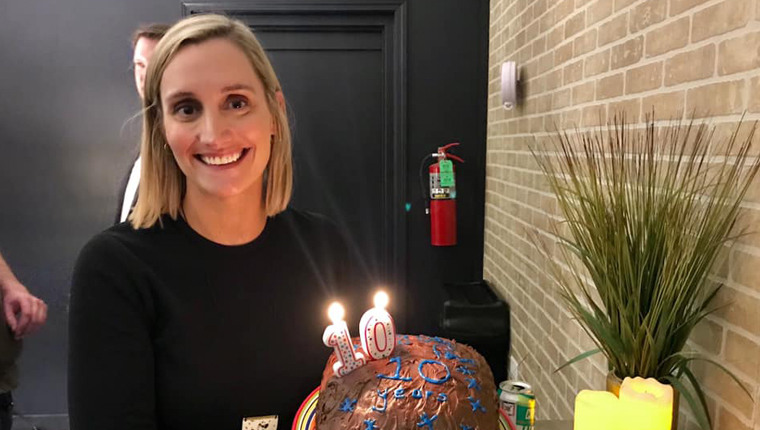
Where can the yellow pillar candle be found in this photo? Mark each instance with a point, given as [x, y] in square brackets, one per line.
[596, 410]
[648, 401]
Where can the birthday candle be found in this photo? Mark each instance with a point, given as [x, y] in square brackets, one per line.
[338, 337]
[377, 331]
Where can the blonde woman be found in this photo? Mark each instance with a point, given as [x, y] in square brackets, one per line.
[208, 307]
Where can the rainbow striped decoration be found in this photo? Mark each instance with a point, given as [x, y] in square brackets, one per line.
[306, 417]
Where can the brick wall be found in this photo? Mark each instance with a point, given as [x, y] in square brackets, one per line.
[581, 61]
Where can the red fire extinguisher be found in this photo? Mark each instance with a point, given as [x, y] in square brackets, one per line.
[443, 194]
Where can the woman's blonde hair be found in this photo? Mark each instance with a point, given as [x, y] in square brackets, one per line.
[162, 183]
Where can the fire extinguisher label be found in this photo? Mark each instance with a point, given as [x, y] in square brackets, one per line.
[447, 173]
[438, 192]
[435, 181]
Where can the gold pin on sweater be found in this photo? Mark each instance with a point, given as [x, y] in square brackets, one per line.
[260, 423]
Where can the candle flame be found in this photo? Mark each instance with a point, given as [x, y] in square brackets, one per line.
[381, 300]
[336, 312]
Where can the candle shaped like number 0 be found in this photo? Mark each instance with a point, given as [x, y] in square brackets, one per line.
[337, 336]
[377, 331]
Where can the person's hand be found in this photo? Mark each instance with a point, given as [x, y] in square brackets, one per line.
[24, 312]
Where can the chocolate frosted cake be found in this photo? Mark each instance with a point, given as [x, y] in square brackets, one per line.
[427, 383]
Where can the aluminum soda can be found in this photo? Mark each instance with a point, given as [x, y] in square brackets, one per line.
[517, 401]
[526, 410]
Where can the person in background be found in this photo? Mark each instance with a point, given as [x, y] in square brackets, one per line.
[23, 314]
[208, 306]
[144, 41]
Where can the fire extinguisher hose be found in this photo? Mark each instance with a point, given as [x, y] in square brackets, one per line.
[423, 189]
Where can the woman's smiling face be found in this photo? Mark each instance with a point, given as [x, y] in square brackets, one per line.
[216, 119]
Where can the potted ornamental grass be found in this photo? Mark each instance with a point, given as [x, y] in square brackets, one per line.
[648, 212]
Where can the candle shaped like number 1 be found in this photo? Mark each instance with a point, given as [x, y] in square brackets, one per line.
[337, 336]
[377, 331]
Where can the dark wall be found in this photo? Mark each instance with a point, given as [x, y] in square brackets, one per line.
[447, 87]
[66, 142]
[66, 92]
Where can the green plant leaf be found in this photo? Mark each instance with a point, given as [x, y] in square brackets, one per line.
[700, 357]
[702, 420]
[698, 390]
[578, 358]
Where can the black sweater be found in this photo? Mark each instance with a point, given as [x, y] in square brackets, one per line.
[169, 330]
